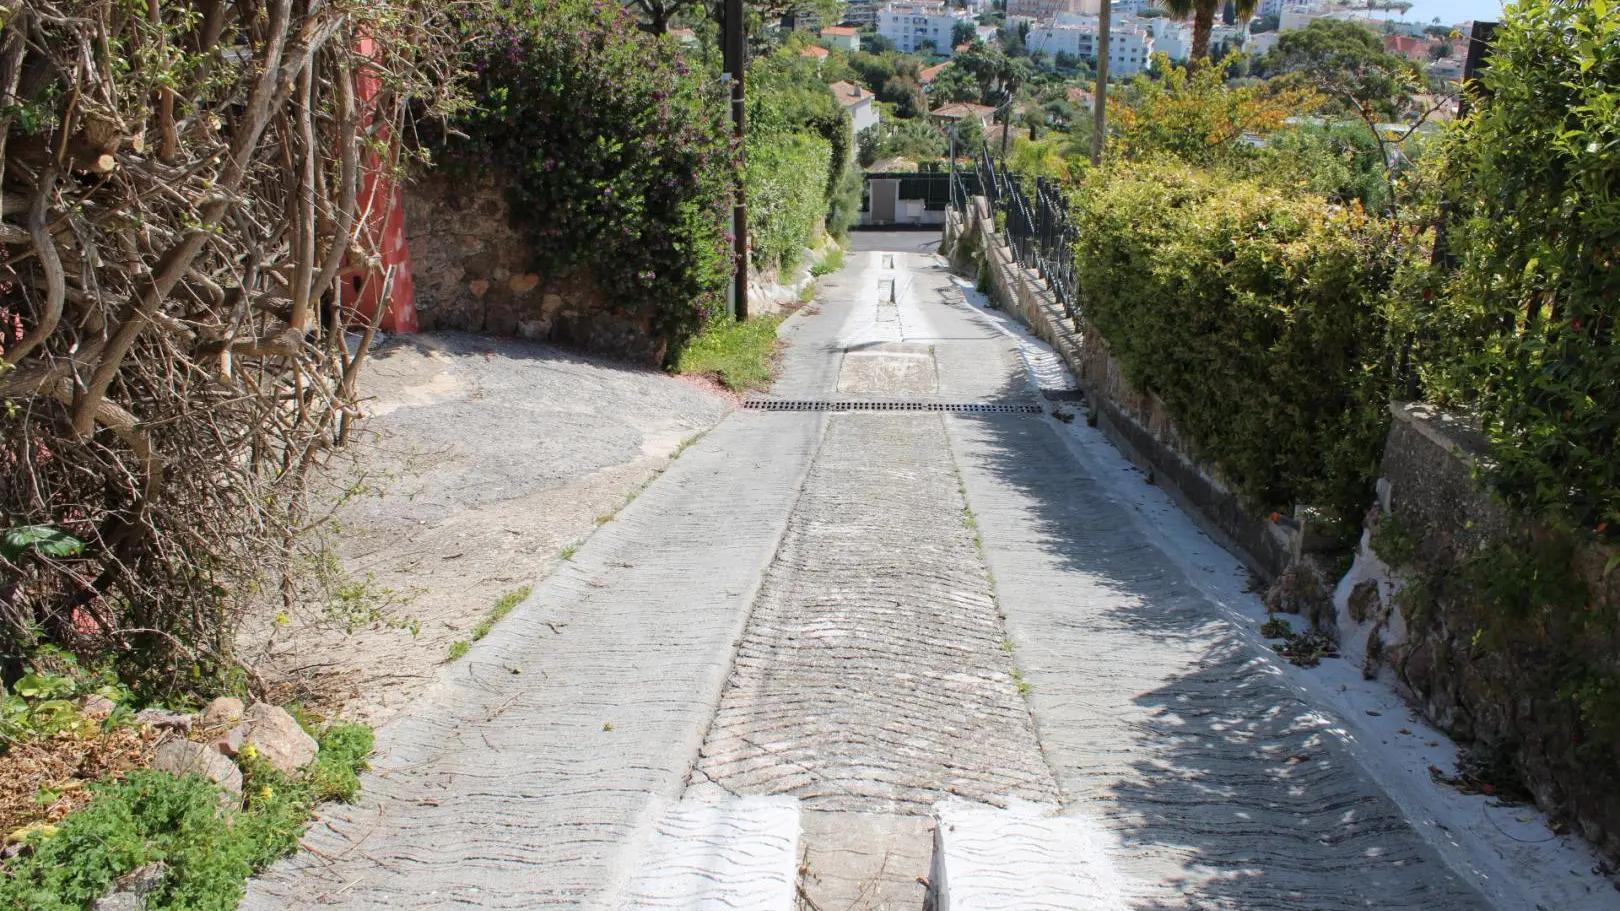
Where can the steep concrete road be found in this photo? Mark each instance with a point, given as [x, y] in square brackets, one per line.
[871, 611]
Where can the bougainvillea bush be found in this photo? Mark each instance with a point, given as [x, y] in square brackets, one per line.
[616, 151]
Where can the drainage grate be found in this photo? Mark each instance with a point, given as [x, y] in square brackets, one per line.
[951, 407]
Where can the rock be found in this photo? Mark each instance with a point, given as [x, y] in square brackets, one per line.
[142, 880]
[534, 329]
[230, 742]
[165, 719]
[182, 757]
[1364, 602]
[118, 901]
[97, 707]
[550, 304]
[277, 737]
[523, 283]
[478, 287]
[222, 711]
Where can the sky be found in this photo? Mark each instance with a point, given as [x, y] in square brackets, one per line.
[1454, 11]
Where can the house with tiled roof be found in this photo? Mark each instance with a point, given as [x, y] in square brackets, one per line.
[860, 104]
[818, 54]
[842, 36]
[950, 114]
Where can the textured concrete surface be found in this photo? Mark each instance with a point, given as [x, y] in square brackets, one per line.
[529, 774]
[739, 853]
[1024, 857]
[874, 652]
[807, 605]
[1222, 788]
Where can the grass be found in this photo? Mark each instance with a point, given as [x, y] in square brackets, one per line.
[210, 849]
[569, 551]
[831, 263]
[740, 355]
[503, 606]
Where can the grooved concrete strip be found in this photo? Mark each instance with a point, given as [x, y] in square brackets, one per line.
[1021, 858]
[740, 853]
[528, 773]
[874, 654]
[1223, 788]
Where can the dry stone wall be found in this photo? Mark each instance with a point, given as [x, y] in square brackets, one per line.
[474, 271]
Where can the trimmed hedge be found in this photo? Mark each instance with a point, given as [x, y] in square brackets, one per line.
[1254, 313]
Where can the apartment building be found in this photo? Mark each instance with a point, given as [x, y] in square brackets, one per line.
[915, 24]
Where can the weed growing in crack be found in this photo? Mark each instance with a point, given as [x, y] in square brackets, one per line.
[458, 649]
[569, 551]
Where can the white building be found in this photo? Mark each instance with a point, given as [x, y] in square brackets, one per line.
[842, 36]
[911, 25]
[1131, 51]
[1261, 43]
[1172, 38]
[858, 102]
[1293, 17]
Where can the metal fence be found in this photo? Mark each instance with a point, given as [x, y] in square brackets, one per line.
[1036, 221]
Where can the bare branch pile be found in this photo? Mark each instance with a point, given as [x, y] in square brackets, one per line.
[185, 185]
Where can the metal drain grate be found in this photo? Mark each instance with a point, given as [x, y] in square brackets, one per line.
[951, 407]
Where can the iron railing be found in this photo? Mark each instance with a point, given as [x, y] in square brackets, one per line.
[1035, 219]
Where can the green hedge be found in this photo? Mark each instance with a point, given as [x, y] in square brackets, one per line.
[1524, 327]
[786, 182]
[618, 150]
[1254, 313]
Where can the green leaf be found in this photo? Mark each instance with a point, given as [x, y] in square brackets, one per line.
[52, 542]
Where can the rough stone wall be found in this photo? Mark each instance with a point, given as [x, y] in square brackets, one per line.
[475, 271]
[1137, 423]
[1504, 696]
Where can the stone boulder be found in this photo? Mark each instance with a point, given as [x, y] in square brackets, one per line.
[276, 736]
[182, 757]
[222, 711]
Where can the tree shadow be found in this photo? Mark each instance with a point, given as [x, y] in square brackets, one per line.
[1223, 787]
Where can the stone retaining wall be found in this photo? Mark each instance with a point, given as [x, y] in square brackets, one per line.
[1136, 422]
[475, 271]
[1427, 627]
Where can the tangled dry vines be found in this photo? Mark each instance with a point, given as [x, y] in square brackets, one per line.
[185, 184]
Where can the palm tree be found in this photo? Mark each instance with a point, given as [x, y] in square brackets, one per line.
[1203, 13]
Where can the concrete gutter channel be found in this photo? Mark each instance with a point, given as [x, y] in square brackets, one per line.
[784, 679]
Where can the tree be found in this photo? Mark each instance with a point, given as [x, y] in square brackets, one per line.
[1203, 13]
[656, 14]
[1440, 50]
[954, 84]
[1346, 61]
[1264, 24]
[963, 33]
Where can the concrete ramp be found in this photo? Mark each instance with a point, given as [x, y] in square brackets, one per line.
[740, 853]
[1022, 858]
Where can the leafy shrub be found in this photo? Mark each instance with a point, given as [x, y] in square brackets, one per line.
[786, 195]
[620, 156]
[1339, 161]
[1525, 326]
[1254, 313]
[787, 95]
[740, 355]
[154, 816]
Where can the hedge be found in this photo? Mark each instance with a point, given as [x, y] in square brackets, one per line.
[620, 151]
[786, 182]
[1254, 313]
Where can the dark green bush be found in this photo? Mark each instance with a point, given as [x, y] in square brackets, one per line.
[1255, 314]
[619, 155]
[1524, 331]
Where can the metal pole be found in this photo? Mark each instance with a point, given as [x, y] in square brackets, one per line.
[735, 51]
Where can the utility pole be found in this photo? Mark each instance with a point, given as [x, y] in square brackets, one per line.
[1099, 98]
[735, 51]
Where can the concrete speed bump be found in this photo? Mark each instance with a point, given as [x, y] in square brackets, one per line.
[737, 853]
[1022, 858]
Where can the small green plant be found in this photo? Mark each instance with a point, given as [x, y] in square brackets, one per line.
[150, 817]
[829, 264]
[1023, 685]
[740, 355]
[1276, 628]
[1394, 541]
[458, 649]
[503, 606]
[569, 551]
